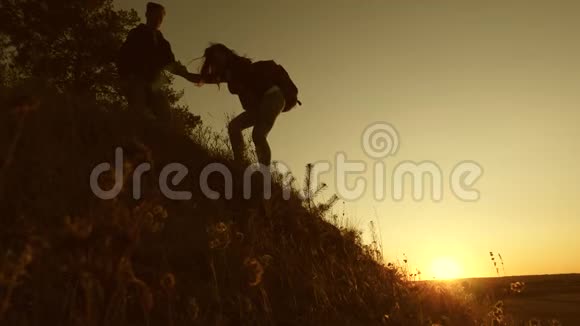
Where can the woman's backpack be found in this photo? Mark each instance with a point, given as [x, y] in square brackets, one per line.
[277, 75]
[288, 88]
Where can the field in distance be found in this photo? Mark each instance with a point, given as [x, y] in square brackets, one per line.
[544, 297]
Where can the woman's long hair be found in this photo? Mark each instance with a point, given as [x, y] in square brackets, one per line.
[212, 68]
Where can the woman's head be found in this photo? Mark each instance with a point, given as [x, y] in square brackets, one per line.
[218, 59]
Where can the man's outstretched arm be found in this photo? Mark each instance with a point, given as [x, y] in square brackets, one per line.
[177, 68]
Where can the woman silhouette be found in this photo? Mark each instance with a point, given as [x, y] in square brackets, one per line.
[264, 89]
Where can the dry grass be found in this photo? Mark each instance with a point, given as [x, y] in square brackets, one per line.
[69, 258]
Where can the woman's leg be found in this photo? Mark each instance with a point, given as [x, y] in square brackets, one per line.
[235, 128]
[271, 106]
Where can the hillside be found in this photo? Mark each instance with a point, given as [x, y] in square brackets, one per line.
[70, 258]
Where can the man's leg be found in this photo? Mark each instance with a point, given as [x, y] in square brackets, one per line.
[136, 94]
[236, 126]
[271, 106]
[160, 106]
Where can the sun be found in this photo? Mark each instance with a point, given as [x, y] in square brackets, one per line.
[445, 268]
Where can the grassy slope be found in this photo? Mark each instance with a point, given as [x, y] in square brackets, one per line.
[70, 258]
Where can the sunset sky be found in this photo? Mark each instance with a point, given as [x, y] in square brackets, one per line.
[495, 82]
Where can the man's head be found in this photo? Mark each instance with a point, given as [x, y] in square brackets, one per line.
[155, 14]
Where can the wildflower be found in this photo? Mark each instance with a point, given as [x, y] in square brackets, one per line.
[168, 281]
[534, 322]
[219, 237]
[193, 308]
[221, 227]
[213, 244]
[266, 260]
[160, 211]
[78, 227]
[26, 256]
[517, 287]
[255, 271]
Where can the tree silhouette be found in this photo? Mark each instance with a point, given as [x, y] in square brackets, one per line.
[72, 46]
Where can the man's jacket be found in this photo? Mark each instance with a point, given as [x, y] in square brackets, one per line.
[144, 55]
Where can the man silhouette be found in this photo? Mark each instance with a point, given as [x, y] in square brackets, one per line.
[142, 59]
